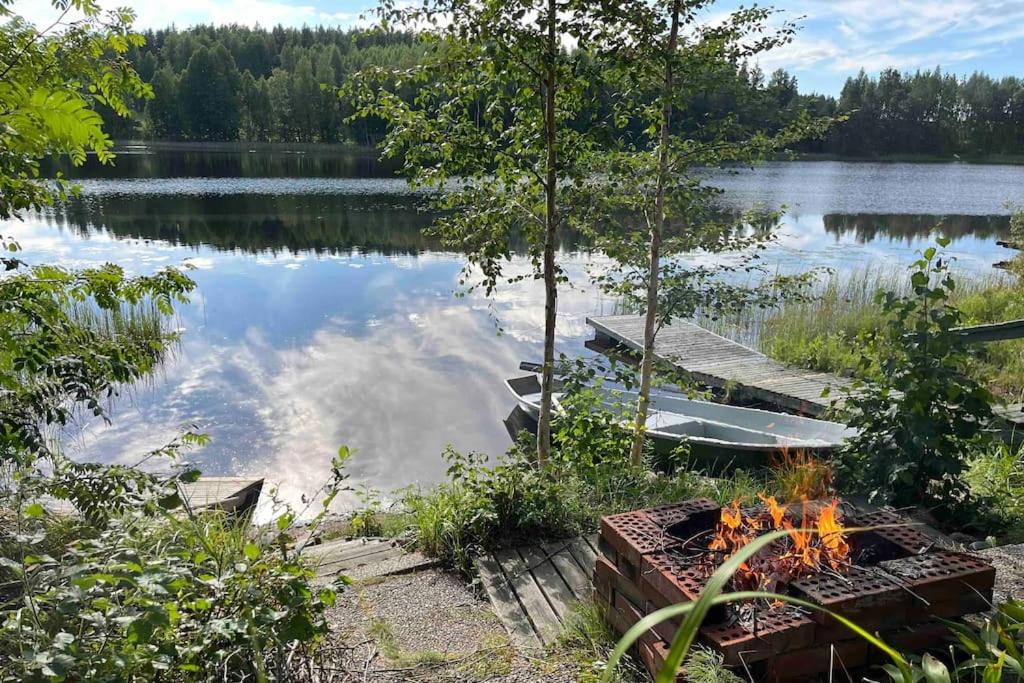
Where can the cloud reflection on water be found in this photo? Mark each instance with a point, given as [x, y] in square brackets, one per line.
[323, 321]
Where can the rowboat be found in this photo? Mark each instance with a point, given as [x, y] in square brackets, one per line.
[674, 419]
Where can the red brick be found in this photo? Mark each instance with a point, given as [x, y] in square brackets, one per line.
[942, 575]
[863, 595]
[933, 636]
[898, 536]
[804, 665]
[773, 632]
[954, 608]
[633, 534]
[607, 576]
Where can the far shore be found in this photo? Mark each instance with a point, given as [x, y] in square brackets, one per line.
[230, 146]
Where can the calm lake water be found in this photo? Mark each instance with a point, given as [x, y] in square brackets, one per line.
[324, 317]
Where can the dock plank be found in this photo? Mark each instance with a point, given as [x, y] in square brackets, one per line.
[506, 604]
[724, 364]
[584, 554]
[556, 591]
[538, 609]
[578, 580]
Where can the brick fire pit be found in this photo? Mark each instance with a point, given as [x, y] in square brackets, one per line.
[897, 583]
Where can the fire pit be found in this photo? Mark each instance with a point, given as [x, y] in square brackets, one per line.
[893, 580]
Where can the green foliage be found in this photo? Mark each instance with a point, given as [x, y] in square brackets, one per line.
[366, 519]
[989, 653]
[51, 83]
[159, 596]
[589, 640]
[211, 95]
[55, 362]
[922, 416]
[928, 113]
[265, 82]
[996, 478]
[120, 588]
[823, 330]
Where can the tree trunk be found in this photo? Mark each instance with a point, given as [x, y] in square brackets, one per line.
[551, 228]
[654, 262]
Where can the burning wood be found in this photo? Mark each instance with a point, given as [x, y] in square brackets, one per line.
[817, 543]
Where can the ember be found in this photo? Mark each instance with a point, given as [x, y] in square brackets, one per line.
[817, 542]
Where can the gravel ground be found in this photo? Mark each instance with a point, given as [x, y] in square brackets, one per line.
[428, 626]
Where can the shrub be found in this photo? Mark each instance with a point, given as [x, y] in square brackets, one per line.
[145, 593]
[923, 416]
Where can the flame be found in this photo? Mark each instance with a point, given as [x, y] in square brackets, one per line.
[801, 474]
[777, 512]
[818, 541]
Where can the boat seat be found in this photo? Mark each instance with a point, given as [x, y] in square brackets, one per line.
[674, 423]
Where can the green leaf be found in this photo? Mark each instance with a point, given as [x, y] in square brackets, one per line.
[251, 551]
[35, 511]
[934, 670]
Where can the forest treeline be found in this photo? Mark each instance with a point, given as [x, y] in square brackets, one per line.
[237, 83]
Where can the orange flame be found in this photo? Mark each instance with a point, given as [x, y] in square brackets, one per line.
[817, 542]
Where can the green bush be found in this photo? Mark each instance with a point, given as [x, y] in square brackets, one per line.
[922, 417]
[996, 478]
[177, 598]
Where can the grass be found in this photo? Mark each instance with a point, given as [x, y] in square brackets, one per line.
[824, 333]
[496, 505]
[997, 478]
[588, 641]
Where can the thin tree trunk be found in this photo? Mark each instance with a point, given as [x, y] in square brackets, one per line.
[551, 228]
[654, 262]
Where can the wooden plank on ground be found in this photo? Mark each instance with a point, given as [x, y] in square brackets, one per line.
[506, 604]
[537, 608]
[554, 587]
[584, 555]
[580, 582]
[534, 588]
[359, 559]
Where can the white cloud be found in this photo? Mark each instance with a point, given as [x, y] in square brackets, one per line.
[160, 13]
[844, 36]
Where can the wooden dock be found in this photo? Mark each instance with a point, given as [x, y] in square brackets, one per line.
[533, 589]
[720, 363]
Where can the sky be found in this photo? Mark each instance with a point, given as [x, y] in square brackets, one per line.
[837, 38]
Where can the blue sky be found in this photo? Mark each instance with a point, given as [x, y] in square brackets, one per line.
[838, 37]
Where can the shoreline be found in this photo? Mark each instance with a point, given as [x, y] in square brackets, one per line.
[136, 146]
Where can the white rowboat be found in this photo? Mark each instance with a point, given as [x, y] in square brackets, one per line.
[674, 419]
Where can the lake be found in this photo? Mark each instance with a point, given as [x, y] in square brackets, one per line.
[323, 316]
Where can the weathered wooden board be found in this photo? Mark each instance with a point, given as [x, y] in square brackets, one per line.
[722, 363]
[362, 558]
[533, 589]
[1010, 329]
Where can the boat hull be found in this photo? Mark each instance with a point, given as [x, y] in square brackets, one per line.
[713, 432]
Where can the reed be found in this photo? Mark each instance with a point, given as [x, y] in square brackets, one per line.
[823, 331]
